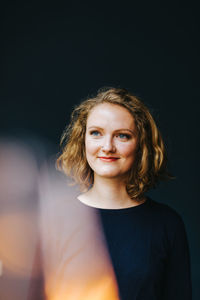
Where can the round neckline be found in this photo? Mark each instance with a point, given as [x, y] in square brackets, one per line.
[125, 209]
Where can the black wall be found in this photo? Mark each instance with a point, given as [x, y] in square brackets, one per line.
[55, 54]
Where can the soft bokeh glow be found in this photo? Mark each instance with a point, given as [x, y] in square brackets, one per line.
[76, 262]
[18, 219]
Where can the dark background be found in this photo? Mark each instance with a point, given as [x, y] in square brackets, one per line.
[55, 54]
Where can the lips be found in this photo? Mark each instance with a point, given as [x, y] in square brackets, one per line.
[108, 159]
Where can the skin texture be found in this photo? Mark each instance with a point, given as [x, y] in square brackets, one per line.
[110, 143]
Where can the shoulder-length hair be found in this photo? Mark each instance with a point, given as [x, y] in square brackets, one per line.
[148, 168]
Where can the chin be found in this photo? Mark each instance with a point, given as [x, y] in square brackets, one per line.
[110, 175]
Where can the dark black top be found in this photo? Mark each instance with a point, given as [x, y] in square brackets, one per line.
[149, 251]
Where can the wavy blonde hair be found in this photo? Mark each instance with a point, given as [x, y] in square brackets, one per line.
[150, 164]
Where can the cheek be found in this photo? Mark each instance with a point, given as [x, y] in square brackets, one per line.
[128, 150]
[91, 147]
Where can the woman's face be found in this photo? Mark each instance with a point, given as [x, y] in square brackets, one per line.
[110, 140]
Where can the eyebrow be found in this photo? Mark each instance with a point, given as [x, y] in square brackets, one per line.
[121, 129]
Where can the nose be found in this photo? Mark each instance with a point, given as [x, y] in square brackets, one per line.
[108, 144]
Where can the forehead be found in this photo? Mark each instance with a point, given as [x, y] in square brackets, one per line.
[107, 114]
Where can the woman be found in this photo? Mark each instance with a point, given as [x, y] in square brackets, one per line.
[114, 151]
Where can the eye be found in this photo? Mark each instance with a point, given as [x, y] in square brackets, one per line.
[123, 136]
[94, 133]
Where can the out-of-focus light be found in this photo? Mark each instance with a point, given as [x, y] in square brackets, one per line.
[1, 268]
[75, 258]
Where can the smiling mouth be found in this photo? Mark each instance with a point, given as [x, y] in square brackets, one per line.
[108, 159]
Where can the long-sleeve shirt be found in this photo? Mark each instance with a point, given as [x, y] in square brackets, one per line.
[136, 253]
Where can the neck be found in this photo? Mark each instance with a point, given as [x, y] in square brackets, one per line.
[110, 193]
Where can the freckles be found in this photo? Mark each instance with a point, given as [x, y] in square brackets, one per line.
[127, 150]
[91, 146]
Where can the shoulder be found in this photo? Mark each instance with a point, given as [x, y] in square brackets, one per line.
[165, 216]
[167, 224]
